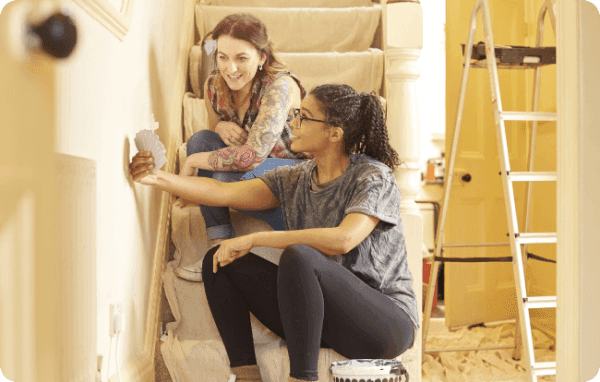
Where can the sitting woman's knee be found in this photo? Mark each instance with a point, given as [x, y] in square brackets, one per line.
[207, 263]
[295, 255]
[201, 142]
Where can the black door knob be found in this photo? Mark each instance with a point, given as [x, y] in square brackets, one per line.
[57, 35]
[466, 178]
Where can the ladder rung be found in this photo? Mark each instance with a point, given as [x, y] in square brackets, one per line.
[538, 176]
[464, 245]
[482, 64]
[544, 368]
[536, 238]
[539, 302]
[527, 116]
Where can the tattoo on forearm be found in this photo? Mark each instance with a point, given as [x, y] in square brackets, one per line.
[262, 137]
[271, 118]
[233, 159]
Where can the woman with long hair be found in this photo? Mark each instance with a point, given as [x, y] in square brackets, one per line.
[248, 99]
[342, 281]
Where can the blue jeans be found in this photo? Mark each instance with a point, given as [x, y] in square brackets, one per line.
[217, 219]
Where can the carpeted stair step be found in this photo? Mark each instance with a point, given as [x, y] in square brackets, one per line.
[202, 361]
[305, 29]
[290, 3]
[361, 70]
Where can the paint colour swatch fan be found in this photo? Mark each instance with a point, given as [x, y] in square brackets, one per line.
[147, 140]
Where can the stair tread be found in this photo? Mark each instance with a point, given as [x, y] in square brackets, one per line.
[355, 33]
[368, 52]
[361, 70]
[291, 3]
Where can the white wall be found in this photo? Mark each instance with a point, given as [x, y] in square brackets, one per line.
[108, 92]
[431, 86]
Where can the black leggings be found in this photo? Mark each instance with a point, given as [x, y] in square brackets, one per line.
[309, 300]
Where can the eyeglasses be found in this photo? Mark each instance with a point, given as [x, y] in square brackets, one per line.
[296, 113]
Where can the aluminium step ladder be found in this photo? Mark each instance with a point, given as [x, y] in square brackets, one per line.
[516, 238]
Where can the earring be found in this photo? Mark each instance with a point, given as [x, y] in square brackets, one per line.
[260, 68]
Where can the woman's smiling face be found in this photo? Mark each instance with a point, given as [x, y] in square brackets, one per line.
[238, 61]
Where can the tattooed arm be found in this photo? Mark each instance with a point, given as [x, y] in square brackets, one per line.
[280, 97]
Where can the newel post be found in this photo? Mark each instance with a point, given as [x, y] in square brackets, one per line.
[403, 40]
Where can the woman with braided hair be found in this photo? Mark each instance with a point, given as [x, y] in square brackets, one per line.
[342, 281]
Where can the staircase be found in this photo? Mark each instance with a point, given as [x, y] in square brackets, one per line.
[322, 41]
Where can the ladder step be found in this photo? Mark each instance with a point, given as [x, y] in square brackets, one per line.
[538, 176]
[482, 64]
[536, 238]
[539, 302]
[544, 368]
[527, 116]
[465, 245]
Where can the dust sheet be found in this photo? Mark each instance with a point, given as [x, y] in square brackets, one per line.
[483, 365]
[192, 348]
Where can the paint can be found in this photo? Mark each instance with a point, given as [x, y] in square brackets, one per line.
[368, 370]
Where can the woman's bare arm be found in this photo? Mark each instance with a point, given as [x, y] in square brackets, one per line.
[251, 194]
[340, 240]
[331, 241]
[281, 96]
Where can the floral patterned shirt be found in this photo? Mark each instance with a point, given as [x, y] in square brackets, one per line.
[224, 109]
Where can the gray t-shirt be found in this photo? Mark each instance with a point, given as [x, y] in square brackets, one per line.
[368, 187]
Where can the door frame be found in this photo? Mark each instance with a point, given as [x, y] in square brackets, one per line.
[568, 89]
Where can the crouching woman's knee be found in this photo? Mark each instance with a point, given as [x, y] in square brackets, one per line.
[203, 141]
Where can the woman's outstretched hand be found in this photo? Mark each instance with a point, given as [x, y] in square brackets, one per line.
[231, 134]
[230, 250]
[141, 167]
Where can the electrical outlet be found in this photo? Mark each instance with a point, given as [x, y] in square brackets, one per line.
[99, 365]
[116, 313]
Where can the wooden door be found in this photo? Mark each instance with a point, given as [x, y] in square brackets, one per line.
[29, 345]
[482, 292]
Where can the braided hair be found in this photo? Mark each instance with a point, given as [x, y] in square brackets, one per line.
[362, 119]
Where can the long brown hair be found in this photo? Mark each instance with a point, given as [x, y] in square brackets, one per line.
[247, 27]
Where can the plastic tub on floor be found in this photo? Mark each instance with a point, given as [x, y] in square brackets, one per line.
[369, 370]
